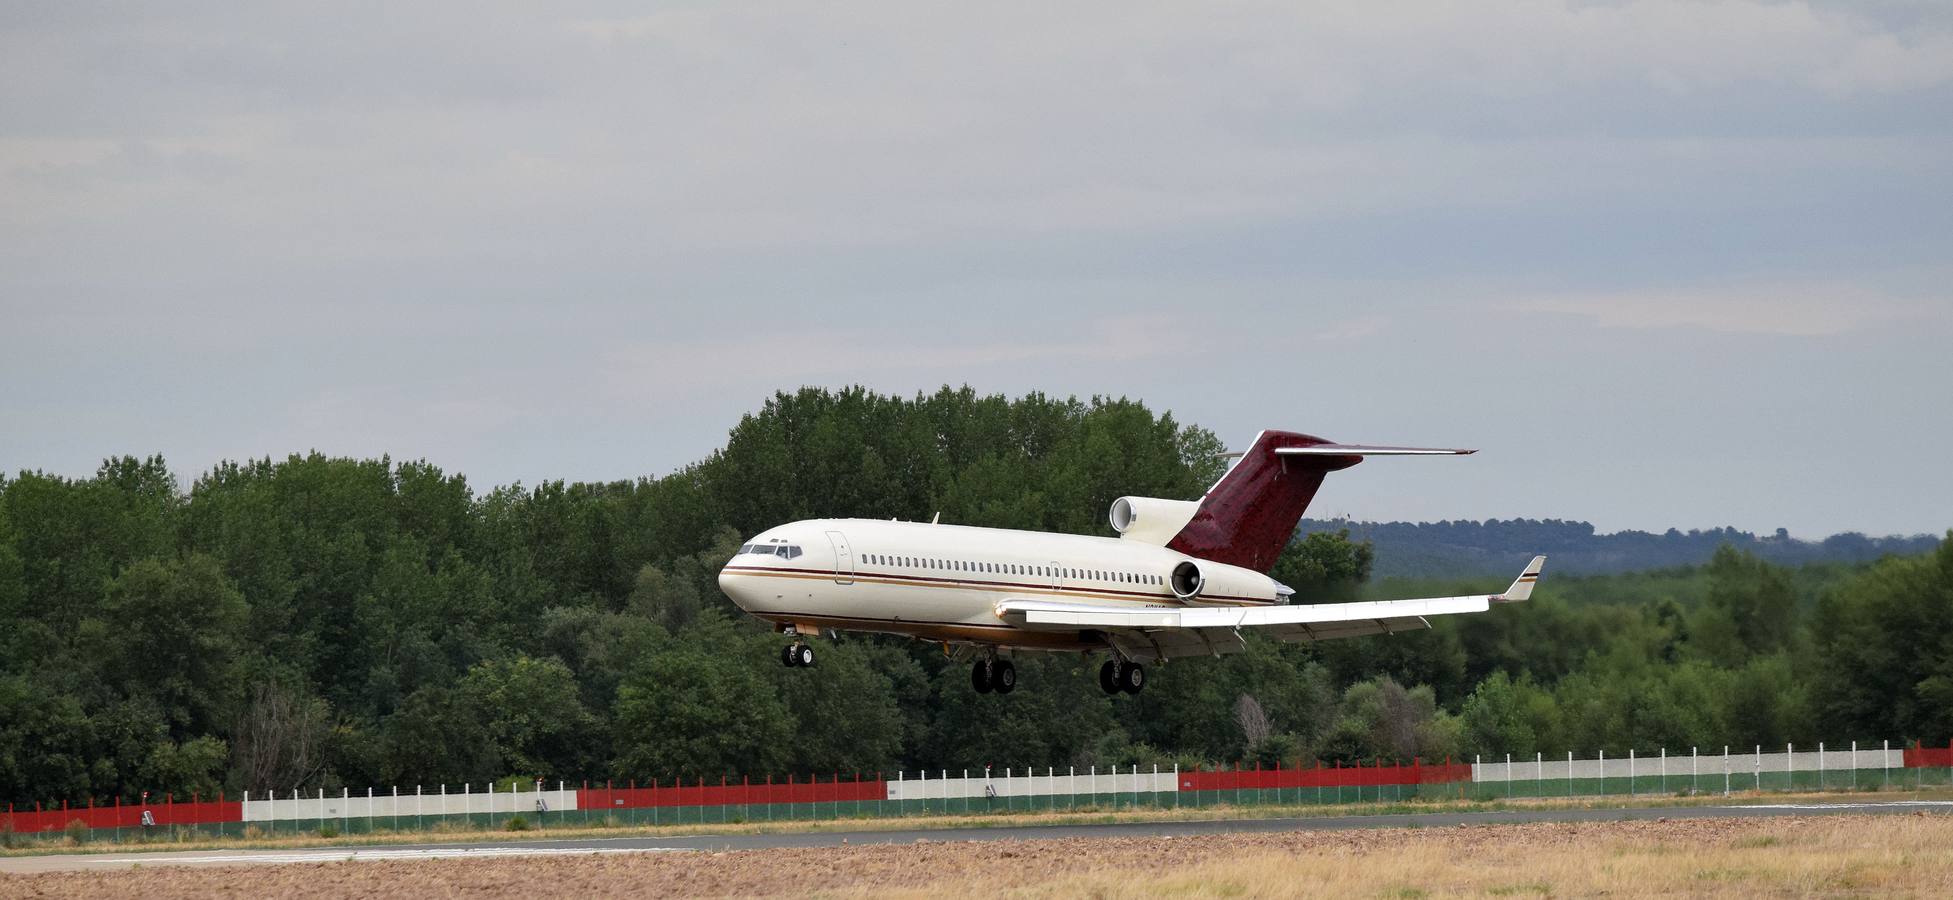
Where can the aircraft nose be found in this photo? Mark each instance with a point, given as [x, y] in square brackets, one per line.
[729, 585]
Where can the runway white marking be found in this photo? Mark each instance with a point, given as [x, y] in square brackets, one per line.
[1877, 805]
[373, 855]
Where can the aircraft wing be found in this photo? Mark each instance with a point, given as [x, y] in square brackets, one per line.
[1169, 631]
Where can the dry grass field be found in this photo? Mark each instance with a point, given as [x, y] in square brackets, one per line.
[1828, 856]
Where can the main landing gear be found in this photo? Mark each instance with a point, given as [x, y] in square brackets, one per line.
[1118, 675]
[797, 655]
[993, 674]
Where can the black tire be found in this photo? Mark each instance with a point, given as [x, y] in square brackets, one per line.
[1109, 677]
[1003, 678]
[1133, 678]
[980, 677]
[786, 656]
[803, 656]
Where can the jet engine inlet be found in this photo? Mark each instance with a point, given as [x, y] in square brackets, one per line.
[1187, 581]
[1123, 514]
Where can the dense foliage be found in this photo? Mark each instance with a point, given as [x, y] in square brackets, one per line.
[319, 621]
[1420, 549]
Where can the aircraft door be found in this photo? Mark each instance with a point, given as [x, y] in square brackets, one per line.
[843, 558]
[1057, 578]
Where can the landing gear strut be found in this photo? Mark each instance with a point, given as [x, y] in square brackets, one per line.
[992, 674]
[1118, 675]
[797, 655]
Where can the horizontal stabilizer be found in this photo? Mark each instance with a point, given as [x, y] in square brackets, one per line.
[1368, 450]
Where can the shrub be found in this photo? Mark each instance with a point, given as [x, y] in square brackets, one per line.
[328, 831]
[77, 831]
[517, 823]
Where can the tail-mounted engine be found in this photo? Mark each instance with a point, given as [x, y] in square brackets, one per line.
[1186, 580]
[1150, 519]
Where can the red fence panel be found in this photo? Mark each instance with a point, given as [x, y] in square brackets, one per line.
[1319, 776]
[1929, 757]
[210, 812]
[729, 794]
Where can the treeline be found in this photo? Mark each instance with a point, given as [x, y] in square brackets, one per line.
[1423, 549]
[317, 621]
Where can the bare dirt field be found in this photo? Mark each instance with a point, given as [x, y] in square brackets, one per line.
[1838, 855]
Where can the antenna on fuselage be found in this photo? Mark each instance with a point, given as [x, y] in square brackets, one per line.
[936, 518]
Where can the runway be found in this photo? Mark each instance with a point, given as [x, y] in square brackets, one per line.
[587, 845]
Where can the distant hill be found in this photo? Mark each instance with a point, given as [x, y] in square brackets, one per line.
[1428, 549]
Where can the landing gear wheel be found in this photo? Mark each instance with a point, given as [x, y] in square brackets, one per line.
[803, 655]
[1109, 677]
[980, 676]
[786, 656]
[1003, 677]
[1133, 678]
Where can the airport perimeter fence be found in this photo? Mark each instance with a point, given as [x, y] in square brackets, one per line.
[980, 792]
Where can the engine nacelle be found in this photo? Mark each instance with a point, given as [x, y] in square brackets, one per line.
[1151, 519]
[1186, 580]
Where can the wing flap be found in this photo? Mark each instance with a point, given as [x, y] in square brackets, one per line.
[1168, 631]
[1324, 617]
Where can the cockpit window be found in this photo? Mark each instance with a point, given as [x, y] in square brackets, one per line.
[789, 551]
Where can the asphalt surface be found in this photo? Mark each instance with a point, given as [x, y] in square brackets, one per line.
[724, 842]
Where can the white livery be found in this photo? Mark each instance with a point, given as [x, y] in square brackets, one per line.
[1184, 578]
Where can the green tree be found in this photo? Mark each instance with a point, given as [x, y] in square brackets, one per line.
[172, 631]
[696, 711]
[1751, 609]
[1884, 651]
[535, 717]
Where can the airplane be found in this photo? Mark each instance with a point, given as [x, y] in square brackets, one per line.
[1182, 579]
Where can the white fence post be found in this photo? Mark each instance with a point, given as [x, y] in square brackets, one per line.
[1664, 768]
[1603, 771]
[1569, 773]
[1820, 765]
[1508, 776]
[1630, 771]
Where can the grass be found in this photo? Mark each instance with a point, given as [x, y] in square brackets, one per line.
[1887, 856]
[451, 832]
[1850, 855]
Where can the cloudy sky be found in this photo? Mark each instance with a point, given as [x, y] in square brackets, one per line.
[1669, 263]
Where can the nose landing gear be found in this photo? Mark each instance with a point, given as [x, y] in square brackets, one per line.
[1118, 675]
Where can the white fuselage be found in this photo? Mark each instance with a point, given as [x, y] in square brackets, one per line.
[943, 582]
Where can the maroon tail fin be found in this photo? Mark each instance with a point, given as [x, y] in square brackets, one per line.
[1248, 516]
